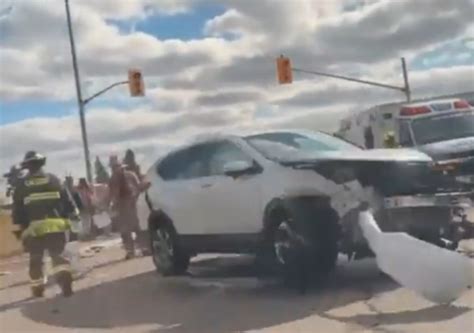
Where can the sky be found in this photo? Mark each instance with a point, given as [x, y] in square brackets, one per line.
[209, 66]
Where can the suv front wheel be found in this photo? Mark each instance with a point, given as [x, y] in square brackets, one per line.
[168, 257]
[303, 246]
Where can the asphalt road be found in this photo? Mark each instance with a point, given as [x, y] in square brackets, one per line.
[221, 295]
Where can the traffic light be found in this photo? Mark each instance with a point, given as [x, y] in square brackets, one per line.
[284, 73]
[135, 83]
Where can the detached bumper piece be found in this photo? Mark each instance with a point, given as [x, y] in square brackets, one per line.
[439, 275]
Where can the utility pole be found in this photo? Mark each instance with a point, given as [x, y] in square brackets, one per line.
[79, 95]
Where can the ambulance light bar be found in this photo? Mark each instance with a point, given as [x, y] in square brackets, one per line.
[414, 110]
[461, 104]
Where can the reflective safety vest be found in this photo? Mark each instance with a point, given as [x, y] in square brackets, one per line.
[42, 227]
[41, 205]
[41, 196]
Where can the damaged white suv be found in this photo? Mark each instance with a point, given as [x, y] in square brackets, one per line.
[255, 193]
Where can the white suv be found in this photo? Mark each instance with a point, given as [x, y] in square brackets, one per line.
[263, 193]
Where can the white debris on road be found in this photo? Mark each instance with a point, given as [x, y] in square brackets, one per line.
[97, 246]
[437, 274]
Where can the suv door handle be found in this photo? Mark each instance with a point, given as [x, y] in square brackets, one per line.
[206, 185]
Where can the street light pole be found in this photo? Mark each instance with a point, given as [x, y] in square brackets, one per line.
[79, 95]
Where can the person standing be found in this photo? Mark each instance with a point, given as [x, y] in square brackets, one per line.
[390, 141]
[142, 236]
[124, 188]
[131, 164]
[86, 194]
[42, 208]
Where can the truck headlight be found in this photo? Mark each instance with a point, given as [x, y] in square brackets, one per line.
[446, 166]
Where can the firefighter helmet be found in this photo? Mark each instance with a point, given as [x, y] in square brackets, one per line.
[33, 157]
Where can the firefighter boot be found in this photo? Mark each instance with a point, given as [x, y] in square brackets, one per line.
[65, 283]
[37, 291]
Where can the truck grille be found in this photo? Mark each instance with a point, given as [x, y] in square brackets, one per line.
[461, 154]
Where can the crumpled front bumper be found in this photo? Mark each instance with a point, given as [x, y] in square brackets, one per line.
[454, 200]
[432, 217]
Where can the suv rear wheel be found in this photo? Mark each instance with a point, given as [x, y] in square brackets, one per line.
[168, 257]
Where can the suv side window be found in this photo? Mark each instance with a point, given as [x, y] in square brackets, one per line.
[172, 166]
[223, 153]
[185, 164]
[405, 135]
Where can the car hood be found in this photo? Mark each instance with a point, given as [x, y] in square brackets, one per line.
[449, 147]
[375, 155]
[389, 171]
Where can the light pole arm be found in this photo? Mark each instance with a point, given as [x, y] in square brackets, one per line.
[405, 89]
[372, 83]
[87, 100]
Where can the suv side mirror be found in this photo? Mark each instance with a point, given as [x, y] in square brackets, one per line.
[238, 168]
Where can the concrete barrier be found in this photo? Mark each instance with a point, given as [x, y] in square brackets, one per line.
[9, 245]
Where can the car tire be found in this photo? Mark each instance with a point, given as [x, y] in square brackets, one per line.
[311, 249]
[167, 255]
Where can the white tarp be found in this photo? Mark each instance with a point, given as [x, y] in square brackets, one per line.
[437, 274]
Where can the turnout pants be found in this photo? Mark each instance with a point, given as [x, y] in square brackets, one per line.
[54, 243]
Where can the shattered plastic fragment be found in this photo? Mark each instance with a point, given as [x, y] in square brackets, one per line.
[437, 274]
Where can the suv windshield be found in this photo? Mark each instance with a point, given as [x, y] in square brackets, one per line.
[443, 127]
[284, 145]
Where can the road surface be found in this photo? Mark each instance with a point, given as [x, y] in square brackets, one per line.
[220, 295]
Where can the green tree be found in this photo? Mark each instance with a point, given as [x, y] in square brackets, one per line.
[101, 174]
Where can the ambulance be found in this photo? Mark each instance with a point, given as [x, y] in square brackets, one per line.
[443, 129]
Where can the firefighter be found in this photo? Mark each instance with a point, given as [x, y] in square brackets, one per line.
[390, 141]
[12, 177]
[42, 208]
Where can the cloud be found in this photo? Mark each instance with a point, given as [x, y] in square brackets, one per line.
[221, 81]
[231, 22]
[314, 34]
[355, 41]
[387, 29]
[228, 98]
[36, 31]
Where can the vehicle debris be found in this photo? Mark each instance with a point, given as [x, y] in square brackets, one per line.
[437, 274]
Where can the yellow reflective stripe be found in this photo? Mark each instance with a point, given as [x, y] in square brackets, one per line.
[42, 227]
[42, 196]
[36, 181]
[37, 282]
[61, 269]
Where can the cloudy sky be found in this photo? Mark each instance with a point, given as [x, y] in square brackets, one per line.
[209, 66]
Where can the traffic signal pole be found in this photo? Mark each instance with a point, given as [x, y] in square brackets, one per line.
[137, 88]
[405, 89]
[79, 96]
[97, 94]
